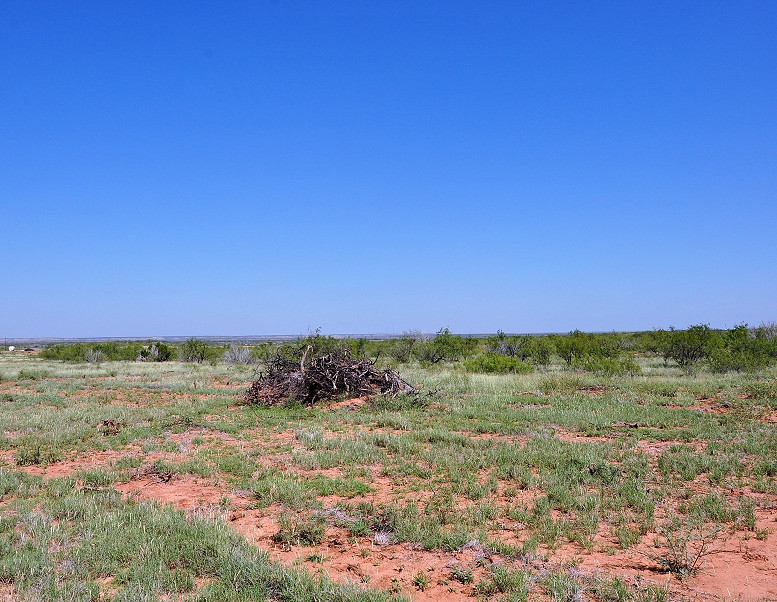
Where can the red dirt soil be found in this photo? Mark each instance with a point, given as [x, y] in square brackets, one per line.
[744, 569]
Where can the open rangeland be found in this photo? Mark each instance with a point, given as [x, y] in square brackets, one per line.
[154, 481]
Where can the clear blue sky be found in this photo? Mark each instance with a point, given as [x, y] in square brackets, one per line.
[266, 167]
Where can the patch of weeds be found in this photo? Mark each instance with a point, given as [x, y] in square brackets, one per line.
[316, 558]
[562, 587]
[346, 487]
[503, 580]
[766, 467]
[475, 491]
[236, 464]
[462, 575]
[549, 531]
[616, 590]
[296, 529]
[195, 466]
[714, 507]
[32, 374]
[99, 477]
[18, 484]
[398, 403]
[746, 514]
[683, 462]
[273, 486]
[687, 545]
[658, 388]
[420, 580]
[482, 513]
[33, 451]
[126, 462]
[559, 384]
[765, 390]
[584, 529]
[627, 536]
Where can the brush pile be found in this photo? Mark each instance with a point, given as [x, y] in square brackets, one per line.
[322, 378]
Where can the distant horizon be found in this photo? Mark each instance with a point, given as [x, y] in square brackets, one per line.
[371, 335]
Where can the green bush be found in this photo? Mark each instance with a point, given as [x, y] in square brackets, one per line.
[195, 350]
[111, 351]
[493, 363]
[155, 352]
[741, 349]
[686, 347]
[401, 349]
[578, 347]
[535, 349]
[445, 347]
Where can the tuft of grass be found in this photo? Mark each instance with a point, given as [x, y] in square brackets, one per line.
[502, 580]
[297, 529]
[420, 580]
[462, 575]
[29, 374]
[33, 450]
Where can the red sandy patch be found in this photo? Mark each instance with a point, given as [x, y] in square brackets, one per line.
[95, 459]
[181, 491]
[745, 567]
[577, 437]
[347, 404]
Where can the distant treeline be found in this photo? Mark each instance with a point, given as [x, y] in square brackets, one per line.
[737, 349]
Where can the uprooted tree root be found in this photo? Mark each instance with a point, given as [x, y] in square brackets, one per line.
[322, 378]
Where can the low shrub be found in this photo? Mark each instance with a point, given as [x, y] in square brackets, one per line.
[577, 346]
[535, 349]
[687, 543]
[32, 375]
[444, 347]
[155, 352]
[235, 354]
[493, 363]
[111, 351]
[741, 350]
[197, 351]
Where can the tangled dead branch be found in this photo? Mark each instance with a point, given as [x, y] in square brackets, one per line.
[314, 379]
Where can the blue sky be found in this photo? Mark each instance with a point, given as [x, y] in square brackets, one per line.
[237, 168]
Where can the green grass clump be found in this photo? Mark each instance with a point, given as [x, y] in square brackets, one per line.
[33, 450]
[140, 551]
[298, 529]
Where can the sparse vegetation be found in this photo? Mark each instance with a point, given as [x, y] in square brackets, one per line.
[596, 444]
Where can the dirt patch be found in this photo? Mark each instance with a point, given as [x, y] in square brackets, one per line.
[7, 593]
[343, 558]
[347, 404]
[94, 460]
[180, 491]
[744, 567]
[577, 437]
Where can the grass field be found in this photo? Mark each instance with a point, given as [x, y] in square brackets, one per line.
[152, 481]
